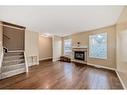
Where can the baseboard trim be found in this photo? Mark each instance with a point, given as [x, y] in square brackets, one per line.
[99, 66]
[31, 64]
[47, 58]
[120, 80]
[113, 69]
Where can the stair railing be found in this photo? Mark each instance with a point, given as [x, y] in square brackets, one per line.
[26, 63]
[1, 59]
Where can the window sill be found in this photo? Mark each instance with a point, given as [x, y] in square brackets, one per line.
[97, 58]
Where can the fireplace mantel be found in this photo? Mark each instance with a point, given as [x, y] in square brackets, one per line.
[79, 47]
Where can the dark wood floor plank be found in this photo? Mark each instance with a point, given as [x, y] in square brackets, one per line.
[62, 75]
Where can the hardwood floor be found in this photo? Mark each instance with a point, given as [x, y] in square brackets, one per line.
[62, 75]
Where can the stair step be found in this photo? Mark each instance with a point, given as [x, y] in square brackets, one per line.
[13, 53]
[12, 67]
[16, 51]
[13, 64]
[13, 61]
[8, 64]
[13, 57]
[12, 73]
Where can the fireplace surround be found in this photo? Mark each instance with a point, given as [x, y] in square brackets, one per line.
[79, 54]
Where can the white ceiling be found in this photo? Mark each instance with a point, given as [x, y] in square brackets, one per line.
[61, 20]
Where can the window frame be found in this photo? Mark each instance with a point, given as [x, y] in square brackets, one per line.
[67, 53]
[103, 58]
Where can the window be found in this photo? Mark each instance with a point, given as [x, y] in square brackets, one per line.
[98, 46]
[67, 47]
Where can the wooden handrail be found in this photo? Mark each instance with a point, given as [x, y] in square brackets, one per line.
[6, 36]
[14, 25]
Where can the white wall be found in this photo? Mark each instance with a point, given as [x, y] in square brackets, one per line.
[121, 30]
[32, 46]
[122, 46]
[1, 31]
[57, 47]
[45, 48]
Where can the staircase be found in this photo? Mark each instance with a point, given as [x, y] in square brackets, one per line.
[13, 64]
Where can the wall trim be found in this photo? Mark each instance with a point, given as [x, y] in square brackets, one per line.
[120, 80]
[99, 66]
[14, 27]
[45, 58]
[31, 64]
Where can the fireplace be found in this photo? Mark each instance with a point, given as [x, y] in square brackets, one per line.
[79, 55]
